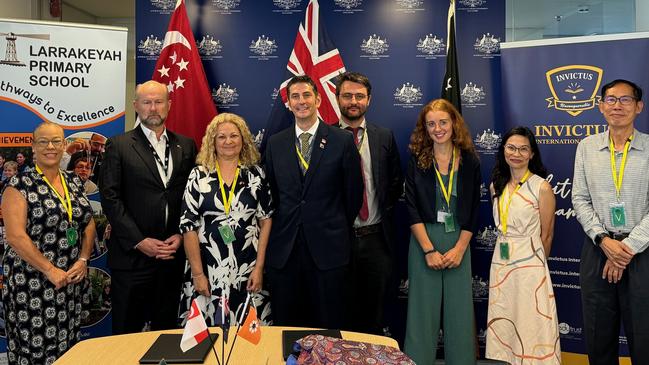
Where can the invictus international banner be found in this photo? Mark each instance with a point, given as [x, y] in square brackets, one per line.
[553, 88]
[73, 75]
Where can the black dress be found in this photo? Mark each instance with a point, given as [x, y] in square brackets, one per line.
[227, 266]
[41, 322]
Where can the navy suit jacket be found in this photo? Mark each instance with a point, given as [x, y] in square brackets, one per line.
[386, 175]
[134, 197]
[324, 202]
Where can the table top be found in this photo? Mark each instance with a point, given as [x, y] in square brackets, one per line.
[128, 349]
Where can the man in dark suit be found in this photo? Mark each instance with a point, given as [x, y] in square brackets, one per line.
[143, 177]
[317, 189]
[371, 260]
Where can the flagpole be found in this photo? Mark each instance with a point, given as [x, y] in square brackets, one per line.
[236, 334]
[212, 345]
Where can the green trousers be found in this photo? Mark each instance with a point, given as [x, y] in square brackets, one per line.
[433, 292]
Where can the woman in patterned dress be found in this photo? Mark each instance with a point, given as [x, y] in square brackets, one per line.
[522, 326]
[50, 232]
[226, 220]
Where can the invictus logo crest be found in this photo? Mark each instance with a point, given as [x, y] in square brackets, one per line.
[225, 95]
[408, 93]
[374, 45]
[574, 88]
[150, 46]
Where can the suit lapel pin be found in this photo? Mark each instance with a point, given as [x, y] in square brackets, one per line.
[323, 142]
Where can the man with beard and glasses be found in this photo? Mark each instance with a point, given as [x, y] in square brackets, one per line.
[143, 176]
[372, 238]
[91, 150]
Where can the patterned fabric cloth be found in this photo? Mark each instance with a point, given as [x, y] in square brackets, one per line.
[323, 350]
[42, 323]
[522, 326]
[227, 266]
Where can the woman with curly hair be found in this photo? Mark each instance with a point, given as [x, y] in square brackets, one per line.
[226, 220]
[442, 195]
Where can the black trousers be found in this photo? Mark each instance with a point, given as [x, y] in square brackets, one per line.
[604, 304]
[370, 274]
[146, 295]
[303, 295]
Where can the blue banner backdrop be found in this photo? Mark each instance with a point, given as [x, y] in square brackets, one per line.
[398, 44]
[553, 88]
[59, 72]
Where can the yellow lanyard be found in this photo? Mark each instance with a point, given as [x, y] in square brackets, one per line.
[447, 192]
[302, 160]
[66, 202]
[617, 179]
[504, 213]
[227, 201]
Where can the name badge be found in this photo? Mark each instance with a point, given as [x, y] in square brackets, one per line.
[227, 235]
[618, 214]
[504, 250]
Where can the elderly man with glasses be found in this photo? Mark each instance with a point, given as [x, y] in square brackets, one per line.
[610, 197]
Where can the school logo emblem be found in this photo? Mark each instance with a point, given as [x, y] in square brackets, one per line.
[225, 95]
[374, 45]
[208, 46]
[151, 46]
[574, 88]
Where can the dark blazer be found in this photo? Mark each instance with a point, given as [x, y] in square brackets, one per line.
[134, 197]
[421, 188]
[324, 202]
[386, 174]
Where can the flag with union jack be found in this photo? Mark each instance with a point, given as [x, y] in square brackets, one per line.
[315, 55]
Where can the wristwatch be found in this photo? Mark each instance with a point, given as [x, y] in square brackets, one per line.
[600, 237]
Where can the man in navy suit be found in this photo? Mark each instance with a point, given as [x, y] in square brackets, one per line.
[371, 260]
[142, 180]
[315, 179]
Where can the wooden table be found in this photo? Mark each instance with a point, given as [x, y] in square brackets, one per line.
[128, 349]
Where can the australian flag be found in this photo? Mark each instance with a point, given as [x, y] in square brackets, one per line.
[222, 316]
[315, 55]
[451, 81]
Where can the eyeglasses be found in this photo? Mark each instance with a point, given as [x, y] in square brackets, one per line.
[349, 96]
[624, 100]
[523, 150]
[44, 143]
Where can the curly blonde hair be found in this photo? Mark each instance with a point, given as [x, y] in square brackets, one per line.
[421, 145]
[207, 155]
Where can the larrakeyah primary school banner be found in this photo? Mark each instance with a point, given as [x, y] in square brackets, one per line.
[73, 75]
[553, 87]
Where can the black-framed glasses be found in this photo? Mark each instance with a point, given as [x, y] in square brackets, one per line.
[523, 150]
[624, 99]
[349, 96]
[43, 143]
